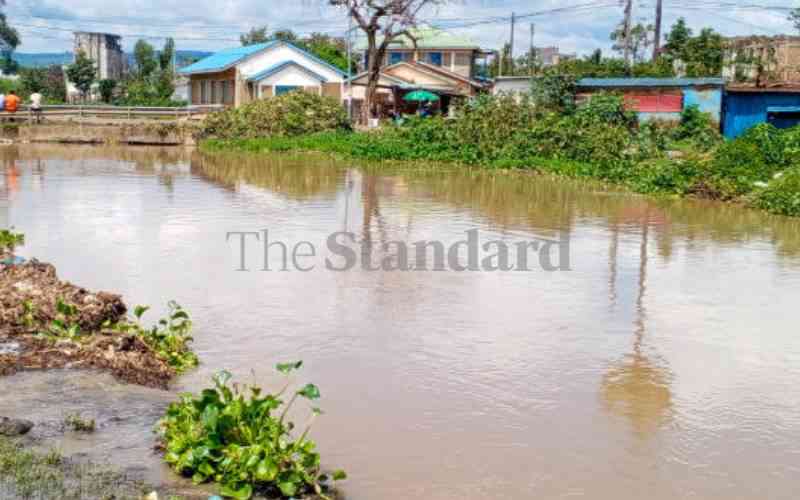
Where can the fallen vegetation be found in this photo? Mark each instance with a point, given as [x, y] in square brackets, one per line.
[59, 325]
[241, 438]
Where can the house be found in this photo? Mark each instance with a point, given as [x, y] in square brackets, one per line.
[551, 56]
[240, 75]
[660, 98]
[454, 53]
[747, 106]
[440, 62]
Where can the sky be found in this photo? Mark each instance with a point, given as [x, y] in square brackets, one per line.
[576, 26]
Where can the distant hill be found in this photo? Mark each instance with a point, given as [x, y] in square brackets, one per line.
[42, 60]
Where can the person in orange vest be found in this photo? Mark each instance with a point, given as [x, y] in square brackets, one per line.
[12, 102]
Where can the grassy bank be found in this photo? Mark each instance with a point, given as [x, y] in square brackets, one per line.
[26, 473]
[599, 139]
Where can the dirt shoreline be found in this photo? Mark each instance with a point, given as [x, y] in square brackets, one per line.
[29, 310]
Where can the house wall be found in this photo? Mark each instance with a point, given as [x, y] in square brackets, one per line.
[744, 110]
[460, 62]
[215, 92]
[660, 104]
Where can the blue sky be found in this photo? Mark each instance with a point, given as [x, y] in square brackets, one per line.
[213, 24]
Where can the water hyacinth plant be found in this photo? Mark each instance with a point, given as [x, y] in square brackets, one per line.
[9, 241]
[241, 438]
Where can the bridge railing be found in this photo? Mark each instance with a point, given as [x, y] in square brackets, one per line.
[118, 112]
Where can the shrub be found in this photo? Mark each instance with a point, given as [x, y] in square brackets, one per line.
[289, 114]
[241, 438]
[698, 128]
[754, 157]
[782, 195]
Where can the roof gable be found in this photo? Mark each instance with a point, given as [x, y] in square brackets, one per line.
[285, 65]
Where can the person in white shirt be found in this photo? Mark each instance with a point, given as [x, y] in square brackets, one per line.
[36, 106]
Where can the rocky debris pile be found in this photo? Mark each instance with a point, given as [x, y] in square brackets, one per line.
[12, 427]
[29, 298]
[31, 292]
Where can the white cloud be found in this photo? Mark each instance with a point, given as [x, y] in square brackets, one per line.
[214, 24]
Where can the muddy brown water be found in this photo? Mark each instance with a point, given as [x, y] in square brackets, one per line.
[664, 365]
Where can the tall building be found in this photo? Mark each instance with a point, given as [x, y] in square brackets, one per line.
[762, 59]
[106, 52]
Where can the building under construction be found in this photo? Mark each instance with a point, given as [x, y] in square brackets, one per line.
[106, 52]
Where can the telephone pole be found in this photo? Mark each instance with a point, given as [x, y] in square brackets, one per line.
[657, 41]
[532, 53]
[627, 31]
[511, 48]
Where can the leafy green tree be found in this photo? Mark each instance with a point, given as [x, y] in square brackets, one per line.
[146, 63]
[9, 41]
[33, 80]
[254, 36]
[167, 55]
[677, 38]
[704, 54]
[107, 87]
[82, 73]
[285, 36]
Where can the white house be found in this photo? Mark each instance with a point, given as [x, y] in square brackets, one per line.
[236, 76]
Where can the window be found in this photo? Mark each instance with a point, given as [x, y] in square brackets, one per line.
[285, 89]
[397, 57]
[434, 58]
[204, 92]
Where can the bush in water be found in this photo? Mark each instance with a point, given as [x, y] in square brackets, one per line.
[241, 438]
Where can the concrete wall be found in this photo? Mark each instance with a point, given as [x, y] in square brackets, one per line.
[167, 133]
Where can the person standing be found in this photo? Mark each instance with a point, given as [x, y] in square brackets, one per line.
[12, 103]
[36, 106]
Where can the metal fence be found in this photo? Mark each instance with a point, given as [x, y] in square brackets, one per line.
[116, 112]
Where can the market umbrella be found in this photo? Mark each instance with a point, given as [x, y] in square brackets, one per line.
[421, 96]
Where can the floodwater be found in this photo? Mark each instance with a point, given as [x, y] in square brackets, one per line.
[664, 365]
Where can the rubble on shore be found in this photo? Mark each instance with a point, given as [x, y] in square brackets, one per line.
[30, 294]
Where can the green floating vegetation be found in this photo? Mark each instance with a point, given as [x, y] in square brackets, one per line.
[598, 139]
[9, 240]
[240, 438]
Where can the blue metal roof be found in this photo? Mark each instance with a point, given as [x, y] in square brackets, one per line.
[281, 66]
[224, 59]
[783, 109]
[649, 82]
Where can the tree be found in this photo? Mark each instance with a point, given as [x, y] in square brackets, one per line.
[677, 38]
[82, 73]
[704, 54]
[284, 36]
[167, 55]
[794, 17]
[165, 85]
[146, 63]
[641, 38]
[383, 22]
[254, 36]
[107, 87]
[9, 41]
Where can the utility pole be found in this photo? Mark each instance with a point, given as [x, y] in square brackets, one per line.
[627, 31]
[532, 53]
[511, 48]
[657, 41]
[350, 65]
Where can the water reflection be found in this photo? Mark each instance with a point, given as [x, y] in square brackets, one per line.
[637, 387]
[547, 378]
